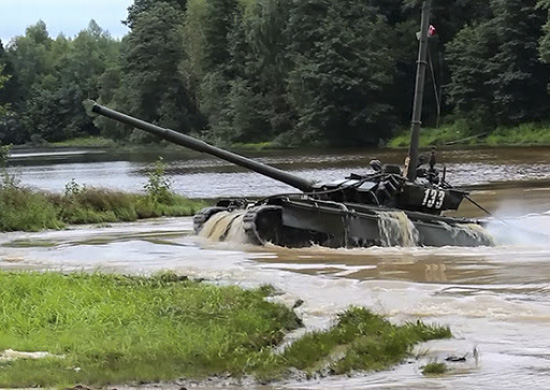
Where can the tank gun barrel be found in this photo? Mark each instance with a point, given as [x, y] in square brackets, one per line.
[201, 146]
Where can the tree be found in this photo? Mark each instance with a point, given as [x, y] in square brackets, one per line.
[497, 74]
[54, 76]
[88, 56]
[31, 58]
[343, 64]
[33, 65]
[209, 68]
[152, 87]
[10, 92]
[449, 18]
[469, 56]
[3, 79]
[544, 47]
[141, 6]
[268, 65]
[519, 77]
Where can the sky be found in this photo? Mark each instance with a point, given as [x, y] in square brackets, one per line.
[62, 16]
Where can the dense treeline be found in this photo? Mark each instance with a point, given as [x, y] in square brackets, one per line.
[333, 72]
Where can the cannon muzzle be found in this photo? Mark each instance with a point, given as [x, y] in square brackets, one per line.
[201, 146]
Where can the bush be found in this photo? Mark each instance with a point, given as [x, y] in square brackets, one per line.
[159, 187]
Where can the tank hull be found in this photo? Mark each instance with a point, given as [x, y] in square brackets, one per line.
[305, 222]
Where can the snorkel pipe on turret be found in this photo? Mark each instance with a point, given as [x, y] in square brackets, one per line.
[412, 159]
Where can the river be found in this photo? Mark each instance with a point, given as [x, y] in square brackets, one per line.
[495, 300]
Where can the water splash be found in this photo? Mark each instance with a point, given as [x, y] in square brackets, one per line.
[236, 233]
[478, 232]
[225, 226]
[396, 229]
[527, 230]
[215, 227]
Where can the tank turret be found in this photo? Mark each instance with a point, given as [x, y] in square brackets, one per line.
[385, 187]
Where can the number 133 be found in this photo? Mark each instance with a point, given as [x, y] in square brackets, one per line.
[433, 199]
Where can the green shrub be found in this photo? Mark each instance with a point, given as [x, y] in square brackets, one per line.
[159, 187]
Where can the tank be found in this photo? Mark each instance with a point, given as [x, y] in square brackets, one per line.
[382, 208]
[389, 206]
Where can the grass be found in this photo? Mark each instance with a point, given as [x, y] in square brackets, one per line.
[97, 205]
[86, 142]
[112, 329]
[524, 134]
[252, 146]
[23, 209]
[370, 343]
[434, 368]
[460, 133]
[457, 132]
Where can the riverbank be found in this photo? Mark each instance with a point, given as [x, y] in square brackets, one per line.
[459, 133]
[98, 329]
[107, 143]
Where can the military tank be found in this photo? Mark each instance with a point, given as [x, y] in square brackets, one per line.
[350, 212]
[389, 206]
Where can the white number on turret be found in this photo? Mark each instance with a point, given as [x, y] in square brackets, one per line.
[433, 199]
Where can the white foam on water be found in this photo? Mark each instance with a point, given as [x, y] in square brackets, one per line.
[225, 226]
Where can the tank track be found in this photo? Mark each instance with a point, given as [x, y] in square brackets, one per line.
[262, 224]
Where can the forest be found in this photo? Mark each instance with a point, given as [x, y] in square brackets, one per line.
[290, 72]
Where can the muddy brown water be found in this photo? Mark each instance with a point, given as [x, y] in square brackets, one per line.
[495, 299]
[198, 176]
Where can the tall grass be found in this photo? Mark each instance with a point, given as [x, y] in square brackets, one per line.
[23, 209]
[456, 132]
[524, 134]
[434, 368]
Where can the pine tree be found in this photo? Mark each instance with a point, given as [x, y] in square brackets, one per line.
[141, 6]
[152, 87]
